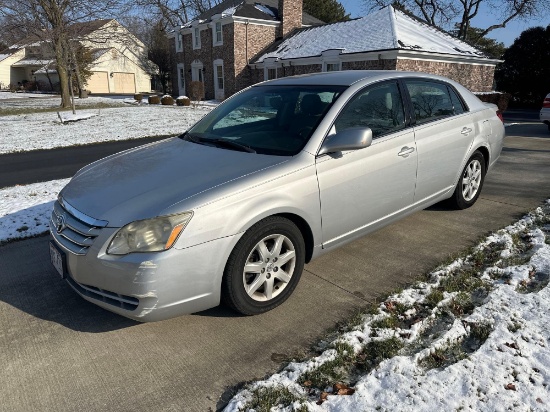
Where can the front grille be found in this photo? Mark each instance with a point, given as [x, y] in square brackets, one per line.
[72, 229]
[115, 299]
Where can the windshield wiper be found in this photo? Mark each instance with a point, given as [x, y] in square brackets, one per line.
[230, 144]
[191, 138]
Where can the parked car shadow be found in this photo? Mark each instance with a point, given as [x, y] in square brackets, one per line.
[30, 284]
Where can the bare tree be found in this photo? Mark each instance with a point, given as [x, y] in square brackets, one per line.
[174, 12]
[448, 14]
[53, 22]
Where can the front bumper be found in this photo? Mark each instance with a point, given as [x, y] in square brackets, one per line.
[147, 286]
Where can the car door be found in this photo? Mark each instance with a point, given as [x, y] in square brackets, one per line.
[444, 131]
[360, 189]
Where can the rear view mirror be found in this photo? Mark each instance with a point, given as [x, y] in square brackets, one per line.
[350, 139]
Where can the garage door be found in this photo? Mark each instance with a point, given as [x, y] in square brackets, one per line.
[98, 82]
[124, 82]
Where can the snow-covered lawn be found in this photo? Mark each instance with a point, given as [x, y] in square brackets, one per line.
[474, 336]
[4, 95]
[44, 130]
[25, 210]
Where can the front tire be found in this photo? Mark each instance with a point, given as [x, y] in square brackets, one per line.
[470, 183]
[265, 266]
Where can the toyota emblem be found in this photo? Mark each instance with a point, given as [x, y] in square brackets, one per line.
[60, 224]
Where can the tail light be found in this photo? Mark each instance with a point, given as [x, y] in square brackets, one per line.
[546, 103]
[499, 114]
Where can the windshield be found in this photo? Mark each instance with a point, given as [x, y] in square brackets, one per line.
[274, 120]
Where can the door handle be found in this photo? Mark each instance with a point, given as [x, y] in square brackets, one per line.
[465, 131]
[405, 151]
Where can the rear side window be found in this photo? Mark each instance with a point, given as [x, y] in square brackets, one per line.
[431, 101]
[379, 107]
[457, 103]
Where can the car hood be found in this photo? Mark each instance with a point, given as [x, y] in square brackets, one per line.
[140, 183]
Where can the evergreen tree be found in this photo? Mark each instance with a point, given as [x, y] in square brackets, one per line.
[329, 11]
[525, 72]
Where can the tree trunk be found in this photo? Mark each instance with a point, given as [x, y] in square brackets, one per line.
[61, 64]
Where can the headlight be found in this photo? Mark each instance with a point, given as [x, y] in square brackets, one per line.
[151, 235]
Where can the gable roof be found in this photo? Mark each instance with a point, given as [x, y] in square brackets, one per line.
[386, 29]
[253, 9]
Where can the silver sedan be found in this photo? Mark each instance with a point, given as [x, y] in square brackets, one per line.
[275, 176]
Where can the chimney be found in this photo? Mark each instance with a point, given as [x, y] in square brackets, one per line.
[290, 14]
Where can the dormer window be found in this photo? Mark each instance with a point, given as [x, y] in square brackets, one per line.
[196, 38]
[218, 38]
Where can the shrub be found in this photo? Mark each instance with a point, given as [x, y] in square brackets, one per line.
[138, 97]
[196, 90]
[167, 100]
[183, 101]
[498, 98]
[153, 99]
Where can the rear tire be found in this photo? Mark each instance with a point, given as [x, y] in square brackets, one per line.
[265, 266]
[470, 183]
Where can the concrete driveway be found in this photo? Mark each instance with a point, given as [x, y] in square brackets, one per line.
[60, 353]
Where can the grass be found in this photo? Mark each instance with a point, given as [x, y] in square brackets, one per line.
[376, 351]
[265, 398]
[333, 371]
[433, 298]
[468, 292]
[462, 280]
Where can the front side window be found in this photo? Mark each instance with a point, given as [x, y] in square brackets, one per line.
[180, 43]
[431, 100]
[273, 120]
[378, 107]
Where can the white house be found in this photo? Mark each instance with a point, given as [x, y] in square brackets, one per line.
[119, 65]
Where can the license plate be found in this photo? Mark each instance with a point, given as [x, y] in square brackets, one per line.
[56, 257]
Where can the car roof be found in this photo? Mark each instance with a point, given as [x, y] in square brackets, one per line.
[346, 77]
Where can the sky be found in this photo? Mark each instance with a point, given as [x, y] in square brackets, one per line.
[485, 18]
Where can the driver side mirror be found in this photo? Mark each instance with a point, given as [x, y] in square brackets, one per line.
[349, 139]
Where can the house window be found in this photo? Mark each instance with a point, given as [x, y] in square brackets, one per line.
[219, 77]
[219, 80]
[270, 73]
[181, 79]
[179, 44]
[218, 39]
[196, 38]
[197, 71]
[332, 67]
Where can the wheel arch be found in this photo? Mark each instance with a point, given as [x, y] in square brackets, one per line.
[485, 153]
[304, 228]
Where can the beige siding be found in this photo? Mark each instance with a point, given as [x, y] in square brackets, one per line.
[124, 82]
[5, 69]
[98, 82]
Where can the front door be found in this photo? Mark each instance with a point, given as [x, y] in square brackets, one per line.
[361, 189]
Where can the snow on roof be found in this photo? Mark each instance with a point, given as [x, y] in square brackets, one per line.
[386, 29]
[31, 62]
[3, 56]
[229, 12]
[265, 9]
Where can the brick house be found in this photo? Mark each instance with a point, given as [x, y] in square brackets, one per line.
[217, 46]
[256, 45]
